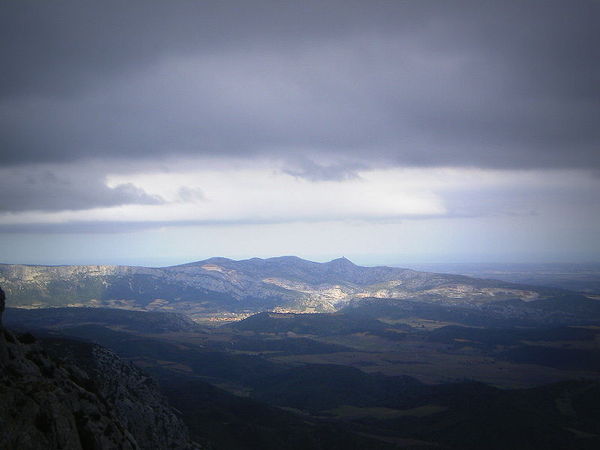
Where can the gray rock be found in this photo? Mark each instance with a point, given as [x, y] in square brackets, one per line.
[56, 404]
[44, 408]
[2, 304]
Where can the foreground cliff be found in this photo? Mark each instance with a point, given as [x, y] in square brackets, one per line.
[50, 403]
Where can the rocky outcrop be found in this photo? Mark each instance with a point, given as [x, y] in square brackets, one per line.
[134, 396]
[45, 406]
[56, 404]
[2, 304]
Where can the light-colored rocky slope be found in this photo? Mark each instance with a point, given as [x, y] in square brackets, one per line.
[224, 285]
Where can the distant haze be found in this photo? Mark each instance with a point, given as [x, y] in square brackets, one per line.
[157, 133]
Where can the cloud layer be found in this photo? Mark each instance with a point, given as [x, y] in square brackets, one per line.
[398, 124]
[466, 83]
[58, 188]
[198, 192]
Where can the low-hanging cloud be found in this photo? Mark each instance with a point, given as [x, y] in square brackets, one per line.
[201, 195]
[56, 189]
[236, 196]
[310, 170]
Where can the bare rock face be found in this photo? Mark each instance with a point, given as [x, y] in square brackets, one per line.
[48, 403]
[44, 408]
[2, 304]
[134, 396]
[3, 349]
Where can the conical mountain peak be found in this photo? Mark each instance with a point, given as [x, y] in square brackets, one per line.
[342, 262]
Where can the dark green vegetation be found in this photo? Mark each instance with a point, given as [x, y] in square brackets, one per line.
[566, 308]
[356, 379]
[318, 324]
[147, 322]
[229, 421]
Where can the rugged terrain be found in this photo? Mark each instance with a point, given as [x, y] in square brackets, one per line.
[223, 289]
[356, 379]
[326, 356]
[65, 394]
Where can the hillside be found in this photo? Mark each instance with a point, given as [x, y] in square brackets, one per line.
[220, 286]
[64, 394]
[311, 393]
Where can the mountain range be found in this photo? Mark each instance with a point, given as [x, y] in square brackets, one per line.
[397, 359]
[222, 288]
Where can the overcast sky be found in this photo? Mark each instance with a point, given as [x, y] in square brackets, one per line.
[160, 132]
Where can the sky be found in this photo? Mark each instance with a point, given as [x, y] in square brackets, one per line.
[389, 132]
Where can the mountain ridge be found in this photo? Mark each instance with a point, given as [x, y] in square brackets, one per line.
[221, 286]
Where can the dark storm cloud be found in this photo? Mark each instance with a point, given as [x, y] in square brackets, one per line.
[48, 190]
[487, 84]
